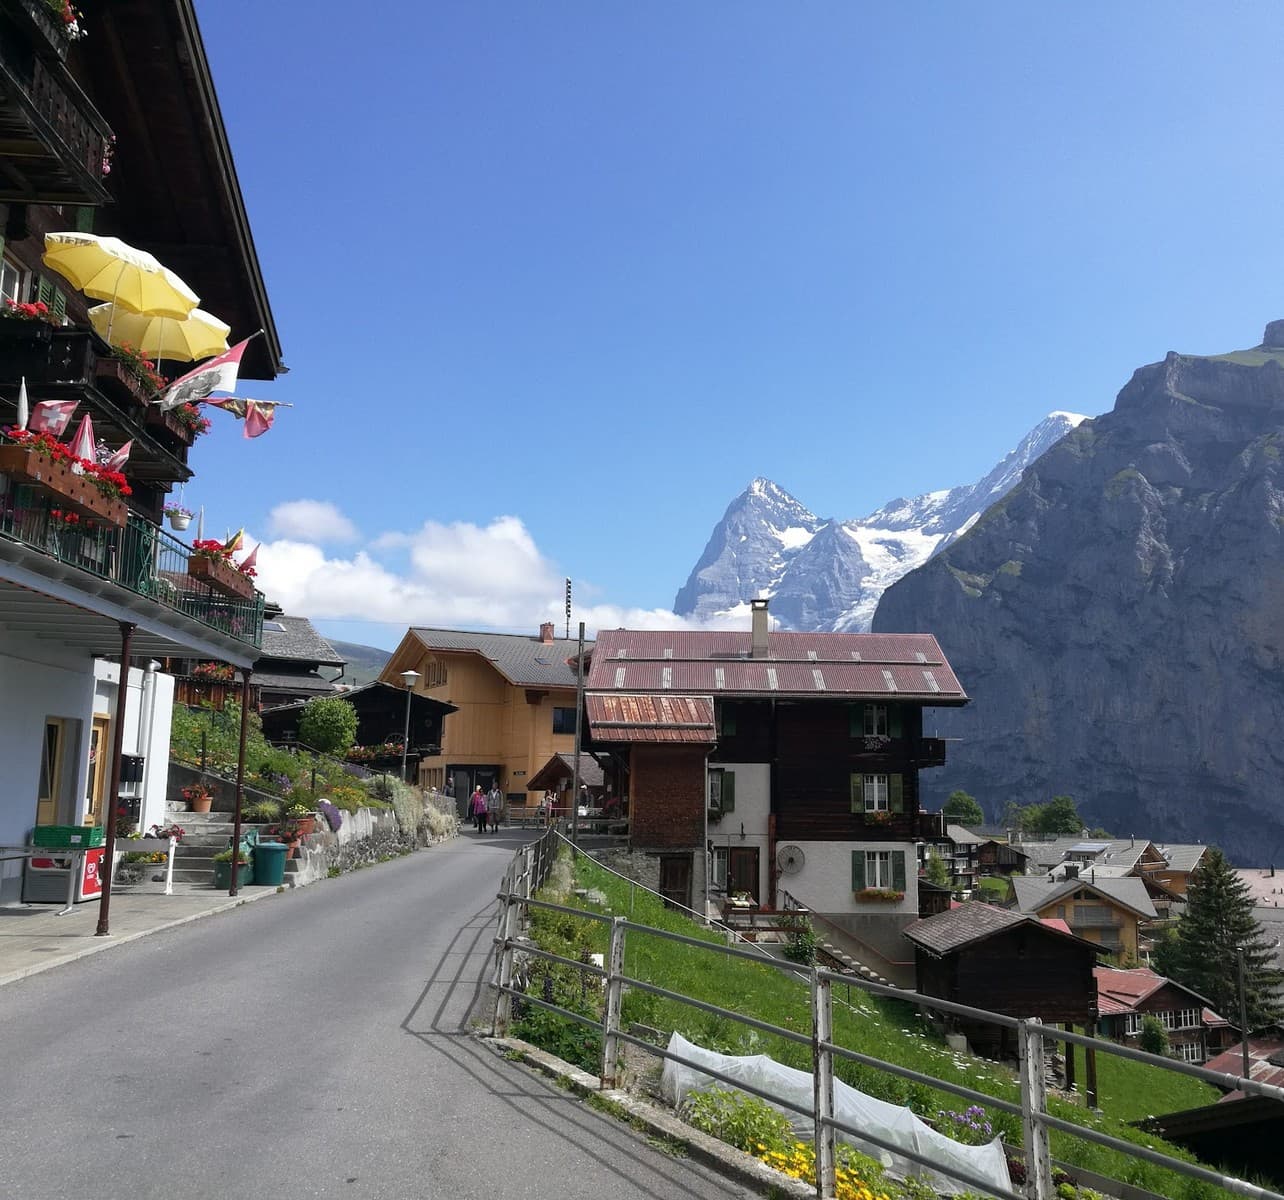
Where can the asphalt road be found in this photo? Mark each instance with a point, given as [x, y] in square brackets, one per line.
[313, 1044]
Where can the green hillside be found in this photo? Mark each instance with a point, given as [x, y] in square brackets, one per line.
[364, 662]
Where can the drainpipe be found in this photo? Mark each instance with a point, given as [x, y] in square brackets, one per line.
[113, 781]
[146, 723]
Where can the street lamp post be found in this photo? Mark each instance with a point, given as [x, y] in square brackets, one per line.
[408, 677]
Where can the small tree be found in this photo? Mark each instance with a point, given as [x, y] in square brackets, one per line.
[936, 870]
[1154, 1037]
[1060, 816]
[328, 724]
[962, 809]
[1217, 928]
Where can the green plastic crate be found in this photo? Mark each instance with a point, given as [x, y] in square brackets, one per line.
[63, 836]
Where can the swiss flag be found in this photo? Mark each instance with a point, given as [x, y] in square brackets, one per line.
[51, 416]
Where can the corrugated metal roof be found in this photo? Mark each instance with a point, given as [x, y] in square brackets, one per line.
[1126, 987]
[522, 660]
[843, 664]
[666, 718]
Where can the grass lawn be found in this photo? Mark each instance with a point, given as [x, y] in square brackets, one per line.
[888, 1029]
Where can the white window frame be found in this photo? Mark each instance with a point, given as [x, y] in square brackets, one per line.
[878, 869]
[1132, 1024]
[718, 874]
[1189, 1018]
[876, 723]
[16, 289]
[876, 793]
[1190, 1052]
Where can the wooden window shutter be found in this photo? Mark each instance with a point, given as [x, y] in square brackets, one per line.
[84, 219]
[895, 724]
[858, 870]
[728, 791]
[898, 870]
[45, 292]
[855, 720]
[858, 792]
[59, 305]
[895, 794]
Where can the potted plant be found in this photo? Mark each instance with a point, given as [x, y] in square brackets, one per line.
[198, 797]
[179, 517]
[304, 817]
[288, 833]
[211, 561]
[223, 868]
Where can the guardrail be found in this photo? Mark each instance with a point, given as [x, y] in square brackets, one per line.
[530, 867]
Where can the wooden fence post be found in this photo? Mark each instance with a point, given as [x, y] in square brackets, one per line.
[504, 970]
[611, 1008]
[822, 1030]
[1034, 1099]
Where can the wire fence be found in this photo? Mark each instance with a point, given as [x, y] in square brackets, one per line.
[529, 870]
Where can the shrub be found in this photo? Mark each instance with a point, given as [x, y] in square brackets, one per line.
[801, 946]
[1154, 1037]
[349, 798]
[263, 810]
[328, 724]
[742, 1121]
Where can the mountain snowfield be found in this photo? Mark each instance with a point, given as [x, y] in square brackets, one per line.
[830, 574]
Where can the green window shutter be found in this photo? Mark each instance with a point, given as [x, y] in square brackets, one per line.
[855, 720]
[898, 870]
[59, 305]
[858, 792]
[84, 219]
[728, 791]
[727, 721]
[858, 870]
[1, 243]
[895, 794]
[895, 727]
[45, 292]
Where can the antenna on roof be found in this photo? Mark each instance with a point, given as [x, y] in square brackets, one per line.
[568, 608]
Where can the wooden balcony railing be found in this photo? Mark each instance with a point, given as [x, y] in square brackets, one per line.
[56, 141]
[138, 556]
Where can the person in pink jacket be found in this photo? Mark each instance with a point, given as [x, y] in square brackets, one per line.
[477, 808]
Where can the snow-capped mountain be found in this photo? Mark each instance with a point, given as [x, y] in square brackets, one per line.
[826, 574]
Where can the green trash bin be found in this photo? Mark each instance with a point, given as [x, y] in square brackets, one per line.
[269, 863]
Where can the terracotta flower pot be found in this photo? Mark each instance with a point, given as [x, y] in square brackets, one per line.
[201, 804]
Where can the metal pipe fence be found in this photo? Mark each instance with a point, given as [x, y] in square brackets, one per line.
[529, 869]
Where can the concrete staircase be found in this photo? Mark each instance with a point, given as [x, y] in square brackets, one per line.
[205, 835]
[845, 964]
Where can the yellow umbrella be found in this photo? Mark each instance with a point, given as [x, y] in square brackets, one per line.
[197, 335]
[109, 269]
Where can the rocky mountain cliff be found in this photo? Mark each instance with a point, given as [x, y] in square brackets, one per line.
[1118, 618]
[829, 574]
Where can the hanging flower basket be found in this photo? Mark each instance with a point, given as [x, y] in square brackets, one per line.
[179, 517]
[221, 575]
[24, 464]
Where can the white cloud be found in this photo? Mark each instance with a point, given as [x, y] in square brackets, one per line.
[311, 521]
[458, 576]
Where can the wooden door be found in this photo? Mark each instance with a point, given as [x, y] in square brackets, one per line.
[50, 788]
[675, 878]
[742, 870]
[99, 769]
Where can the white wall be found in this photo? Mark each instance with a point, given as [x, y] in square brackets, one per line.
[753, 804]
[38, 681]
[825, 881]
[149, 712]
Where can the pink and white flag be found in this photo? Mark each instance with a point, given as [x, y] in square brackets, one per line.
[118, 460]
[82, 444]
[251, 561]
[259, 415]
[51, 416]
[217, 375]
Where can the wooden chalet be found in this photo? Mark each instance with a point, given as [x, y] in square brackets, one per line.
[120, 134]
[1127, 997]
[1006, 962]
[512, 700]
[1109, 912]
[758, 761]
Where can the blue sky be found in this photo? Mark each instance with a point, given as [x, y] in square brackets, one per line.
[556, 280]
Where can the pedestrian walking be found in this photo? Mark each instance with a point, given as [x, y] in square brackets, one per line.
[494, 807]
[477, 808]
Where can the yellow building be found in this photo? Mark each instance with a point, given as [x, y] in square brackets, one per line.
[515, 697]
[1111, 912]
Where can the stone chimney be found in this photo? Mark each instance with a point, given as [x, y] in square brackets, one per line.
[761, 624]
[546, 633]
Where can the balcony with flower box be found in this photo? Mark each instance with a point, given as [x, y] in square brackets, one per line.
[53, 554]
[57, 144]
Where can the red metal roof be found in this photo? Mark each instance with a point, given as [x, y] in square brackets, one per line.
[651, 718]
[1261, 1069]
[720, 661]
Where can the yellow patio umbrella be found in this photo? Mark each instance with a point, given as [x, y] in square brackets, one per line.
[197, 335]
[109, 269]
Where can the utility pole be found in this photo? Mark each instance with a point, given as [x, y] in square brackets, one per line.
[579, 722]
[1243, 1013]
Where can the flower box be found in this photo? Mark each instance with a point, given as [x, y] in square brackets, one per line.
[51, 42]
[221, 576]
[121, 382]
[879, 895]
[24, 465]
[156, 419]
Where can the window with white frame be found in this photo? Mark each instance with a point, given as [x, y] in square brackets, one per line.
[1132, 1024]
[1190, 1052]
[876, 720]
[12, 278]
[719, 873]
[878, 868]
[875, 789]
[1188, 1018]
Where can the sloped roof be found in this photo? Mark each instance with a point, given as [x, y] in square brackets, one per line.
[431, 703]
[306, 683]
[1265, 1061]
[874, 665]
[1182, 857]
[293, 639]
[562, 766]
[1120, 989]
[521, 659]
[651, 718]
[1033, 894]
[963, 837]
[973, 922]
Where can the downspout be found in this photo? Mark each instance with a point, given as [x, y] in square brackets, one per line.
[145, 728]
[773, 878]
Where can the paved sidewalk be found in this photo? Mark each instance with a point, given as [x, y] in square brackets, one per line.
[34, 938]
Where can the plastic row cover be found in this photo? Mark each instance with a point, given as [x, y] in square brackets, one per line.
[890, 1122]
